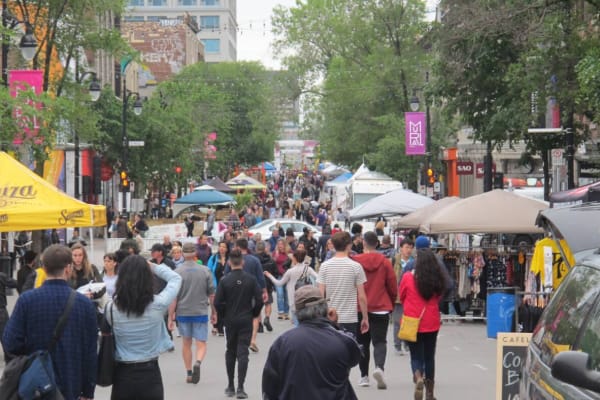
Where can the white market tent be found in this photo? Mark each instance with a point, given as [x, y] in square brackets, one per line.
[396, 202]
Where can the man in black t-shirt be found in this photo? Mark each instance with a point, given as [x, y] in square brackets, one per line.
[239, 299]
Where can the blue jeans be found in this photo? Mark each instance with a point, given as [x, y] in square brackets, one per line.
[396, 316]
[282, 300]
[422, 354]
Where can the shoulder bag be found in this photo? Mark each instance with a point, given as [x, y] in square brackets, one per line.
[304, 279]
[106, 352]
[409, 327]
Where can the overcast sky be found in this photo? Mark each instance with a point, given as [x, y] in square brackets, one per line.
[254, 35]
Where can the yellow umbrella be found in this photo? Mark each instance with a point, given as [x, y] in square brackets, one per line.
[28, 202]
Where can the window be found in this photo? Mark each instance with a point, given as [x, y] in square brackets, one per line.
[212, 45]
[590, 340]
[571, 303]
[209, 22]
[133, 3]
[187, 2]
[157, 18]
[133, 18]
[157, 3]
[210, 3]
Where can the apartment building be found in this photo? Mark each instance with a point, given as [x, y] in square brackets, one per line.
[216, 21]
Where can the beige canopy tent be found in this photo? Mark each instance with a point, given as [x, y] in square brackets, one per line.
[28, 202]
[491, 212]
[416, 219]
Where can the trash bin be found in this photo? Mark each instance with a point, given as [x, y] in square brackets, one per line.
[5, 262]
[500, 310]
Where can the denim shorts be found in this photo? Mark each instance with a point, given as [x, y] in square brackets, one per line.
[196, 330]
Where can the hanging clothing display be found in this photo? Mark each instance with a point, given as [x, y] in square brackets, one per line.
[548, 258]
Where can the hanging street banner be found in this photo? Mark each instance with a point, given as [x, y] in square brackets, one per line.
[416, 133]
[23, 80]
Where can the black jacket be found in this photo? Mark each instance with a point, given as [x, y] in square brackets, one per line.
[238, 297]
[268, 265]
[312, 361]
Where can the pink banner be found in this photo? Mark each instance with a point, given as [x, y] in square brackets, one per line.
[416, 133]
[23, 80]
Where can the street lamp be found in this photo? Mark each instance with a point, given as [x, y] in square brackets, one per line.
[414, 106]
[137, 110]
[28, 43]
[94, 91]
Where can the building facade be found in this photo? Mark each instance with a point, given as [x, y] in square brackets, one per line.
[216, 21]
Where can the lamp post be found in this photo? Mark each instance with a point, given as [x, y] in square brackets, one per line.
[414, 106]
[94, 91]
[137, 110]
[28, 43]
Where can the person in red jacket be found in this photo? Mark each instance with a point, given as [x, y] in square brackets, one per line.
[420, 293]
[381, 289]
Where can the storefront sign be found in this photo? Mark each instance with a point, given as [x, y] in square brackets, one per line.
[479, 170]
[510, 358]
[464, 168]
[416, 133]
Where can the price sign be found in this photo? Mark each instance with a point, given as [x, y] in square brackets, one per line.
[510, 358]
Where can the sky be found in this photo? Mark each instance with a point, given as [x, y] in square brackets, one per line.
[254, 35]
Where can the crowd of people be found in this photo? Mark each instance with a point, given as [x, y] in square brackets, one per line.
[341, 293]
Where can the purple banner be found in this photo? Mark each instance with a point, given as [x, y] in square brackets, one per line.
[416, 133]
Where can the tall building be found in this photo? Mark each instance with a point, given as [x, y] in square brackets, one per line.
[216, 20]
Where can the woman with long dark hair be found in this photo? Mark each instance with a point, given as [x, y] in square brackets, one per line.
[137, 319]
[217, 263]
[420, 292]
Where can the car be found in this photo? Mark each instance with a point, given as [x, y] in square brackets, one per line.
[265, 228]
[563, 356]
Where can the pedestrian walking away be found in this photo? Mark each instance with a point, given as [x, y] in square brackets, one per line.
[312, 361]
[420, 293]
[382, 290]
[403, 258]
[32, 323]
[137, 309]
[190, 309]
[240, 300]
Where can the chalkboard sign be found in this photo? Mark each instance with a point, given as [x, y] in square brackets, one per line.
[510, 358]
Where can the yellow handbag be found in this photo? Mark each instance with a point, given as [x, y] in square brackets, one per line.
[409, 326]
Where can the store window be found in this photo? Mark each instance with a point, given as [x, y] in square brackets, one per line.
[157, 18]
[187, 2]
[567, 311]
[157, 3]
[210, 3]
[133, 18]
[136, 3]
[212, 45]
[209, 22]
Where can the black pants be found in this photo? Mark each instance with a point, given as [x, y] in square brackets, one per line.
[238, 335]
[377, 333]
[3, 322]
[352, 327]
[139, 381]
[422, 354]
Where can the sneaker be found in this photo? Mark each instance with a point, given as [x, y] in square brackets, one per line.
[196, 373]
[398, 352]
[267, 324]
[229, 391]
[378, 376]
[240, 394]
[279, 316]
[254, 347]
[364, 381]
[286, 316]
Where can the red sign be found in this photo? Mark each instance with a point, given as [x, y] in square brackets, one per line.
[479, 169]
[464, 168]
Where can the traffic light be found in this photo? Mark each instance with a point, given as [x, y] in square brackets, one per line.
[430, 176]
[124, 181]
[178, 170]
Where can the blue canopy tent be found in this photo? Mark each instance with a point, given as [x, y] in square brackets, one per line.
[203, 196]
[340, 180]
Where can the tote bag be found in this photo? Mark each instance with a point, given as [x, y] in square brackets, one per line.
[409, 327]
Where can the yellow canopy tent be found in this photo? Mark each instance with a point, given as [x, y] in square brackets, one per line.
[28, 202]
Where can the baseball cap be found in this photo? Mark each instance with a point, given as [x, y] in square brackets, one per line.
[422, 242]
[188, 248]
[307, 296]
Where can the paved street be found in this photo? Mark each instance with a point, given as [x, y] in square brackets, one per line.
[465, 365]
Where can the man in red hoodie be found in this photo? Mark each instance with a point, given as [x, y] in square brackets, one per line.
[381, 289]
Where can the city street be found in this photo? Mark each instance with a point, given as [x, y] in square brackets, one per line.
[466, 361]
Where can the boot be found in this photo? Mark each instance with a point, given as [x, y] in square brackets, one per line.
[429, 389]
[419, 383]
